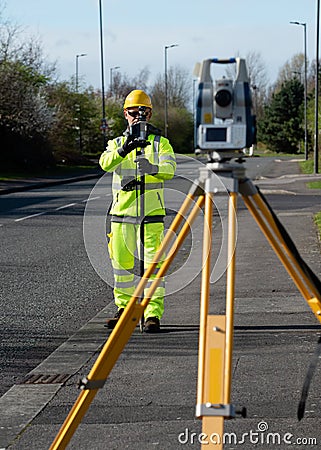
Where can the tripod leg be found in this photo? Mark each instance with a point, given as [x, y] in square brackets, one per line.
[213, 425]
[216, 338]
[211, 346]
[205, 292]
[99, 372]
[230, 291]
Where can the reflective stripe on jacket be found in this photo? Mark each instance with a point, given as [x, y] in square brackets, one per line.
[124, 170]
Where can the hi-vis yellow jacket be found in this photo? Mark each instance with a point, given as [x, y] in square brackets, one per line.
[126, 202]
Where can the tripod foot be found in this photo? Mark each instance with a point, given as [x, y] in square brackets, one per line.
[141, 324]
[242, 411]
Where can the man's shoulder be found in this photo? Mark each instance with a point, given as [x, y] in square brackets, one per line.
[117, 140]
[154, 130]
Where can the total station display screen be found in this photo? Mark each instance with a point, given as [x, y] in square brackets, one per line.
[216, 134]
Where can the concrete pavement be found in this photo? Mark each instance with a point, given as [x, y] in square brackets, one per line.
[149, 399]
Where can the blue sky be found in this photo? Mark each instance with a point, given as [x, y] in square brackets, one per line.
[135, 33]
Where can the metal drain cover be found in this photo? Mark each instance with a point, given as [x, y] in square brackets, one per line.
[38, 378]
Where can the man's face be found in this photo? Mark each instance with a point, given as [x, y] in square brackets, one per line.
[132, 115]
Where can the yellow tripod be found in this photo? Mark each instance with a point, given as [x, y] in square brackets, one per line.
[216, 331]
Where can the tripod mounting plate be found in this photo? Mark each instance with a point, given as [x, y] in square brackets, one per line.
[222, 177]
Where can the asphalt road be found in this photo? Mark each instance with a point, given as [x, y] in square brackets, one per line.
[48, 287]
[50, 290]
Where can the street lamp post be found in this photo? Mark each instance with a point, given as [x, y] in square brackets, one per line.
[77, 65]
[306, 150]
[111, 78]
[166, 88]
[195, 80]
[78, 107]
[103, 125]
[316, 112]
[255, 89]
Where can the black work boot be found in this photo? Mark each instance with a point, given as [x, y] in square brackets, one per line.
[152, 325]
[111, 323]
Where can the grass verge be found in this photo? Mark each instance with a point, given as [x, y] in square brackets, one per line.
[308, 167]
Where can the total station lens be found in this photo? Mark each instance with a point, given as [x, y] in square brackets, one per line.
[223, 97]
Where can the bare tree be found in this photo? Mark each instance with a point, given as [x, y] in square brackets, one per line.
[291, 69]
[179, 88]
[25, 117]
[122, 84]
[258, 78]
[256, 69]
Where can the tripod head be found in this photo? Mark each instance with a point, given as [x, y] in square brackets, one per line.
[218, 157]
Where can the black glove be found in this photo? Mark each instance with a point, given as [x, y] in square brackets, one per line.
[144, 166]
[130, 144]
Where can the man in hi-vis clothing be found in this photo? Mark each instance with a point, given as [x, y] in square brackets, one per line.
[157, 164]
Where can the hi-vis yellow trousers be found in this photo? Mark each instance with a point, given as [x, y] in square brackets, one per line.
[123, 248]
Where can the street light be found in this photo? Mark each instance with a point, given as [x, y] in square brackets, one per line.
[103, 125]
[77, 57]
[316, 112]
[166, 96]
[111, 78]
[195, 80]
[306, 150]
[255, 89]
[78, 108]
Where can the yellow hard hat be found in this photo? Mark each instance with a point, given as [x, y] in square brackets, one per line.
[137, 98]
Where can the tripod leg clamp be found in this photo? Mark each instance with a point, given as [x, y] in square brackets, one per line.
[84, 384]
[213, 409]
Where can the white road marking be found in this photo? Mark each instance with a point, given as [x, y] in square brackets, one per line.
[30, 217]
[277, 191]
[90, 199]
[295, 213]
[65, 206]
